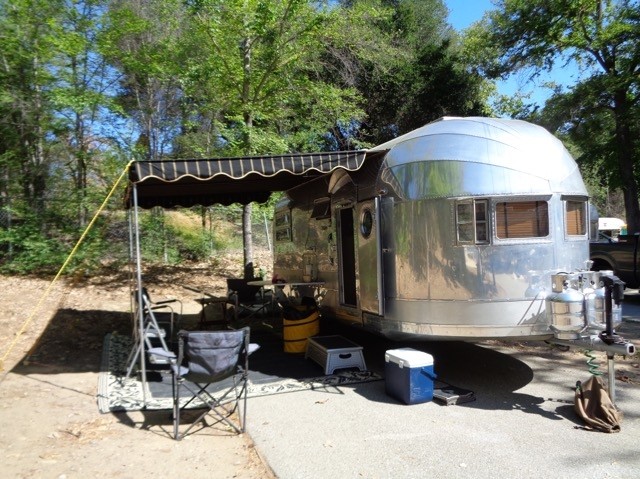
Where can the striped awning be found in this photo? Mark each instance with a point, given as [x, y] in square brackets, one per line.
[230, 180]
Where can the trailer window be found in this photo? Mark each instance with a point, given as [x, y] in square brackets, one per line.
[526, 219]
[576, 218]
[471, 222]
[282, 224]
[321, 209]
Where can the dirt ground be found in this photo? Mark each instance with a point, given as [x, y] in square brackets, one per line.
[51, 345]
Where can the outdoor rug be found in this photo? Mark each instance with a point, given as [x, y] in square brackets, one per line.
[119, 393]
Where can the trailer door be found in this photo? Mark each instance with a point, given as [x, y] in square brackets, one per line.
[369, 256]
[346, 258]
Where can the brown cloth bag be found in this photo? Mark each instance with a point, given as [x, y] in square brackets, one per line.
[594, 406]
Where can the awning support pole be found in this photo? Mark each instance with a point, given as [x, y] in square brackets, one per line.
[143, 365]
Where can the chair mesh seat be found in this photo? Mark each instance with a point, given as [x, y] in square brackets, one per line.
[205, 358]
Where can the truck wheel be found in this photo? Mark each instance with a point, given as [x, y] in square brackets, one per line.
[600, 265]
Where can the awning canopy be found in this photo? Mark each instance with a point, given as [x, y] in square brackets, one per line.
[230, 180]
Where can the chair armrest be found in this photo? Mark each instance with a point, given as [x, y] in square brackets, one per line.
[162, 352]
[165, 304]
[166, 301]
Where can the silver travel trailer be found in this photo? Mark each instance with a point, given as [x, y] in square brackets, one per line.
[466, 228]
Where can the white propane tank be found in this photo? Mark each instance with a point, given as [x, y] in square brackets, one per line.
[565, 308]
[595, 304]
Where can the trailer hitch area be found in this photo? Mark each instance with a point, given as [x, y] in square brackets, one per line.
[617, 340]
[614, 292]
[615, 344]
[616, 287]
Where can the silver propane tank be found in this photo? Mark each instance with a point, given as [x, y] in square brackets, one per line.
[595, 298]
[565, 307]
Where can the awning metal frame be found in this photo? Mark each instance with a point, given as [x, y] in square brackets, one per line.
[217, 181]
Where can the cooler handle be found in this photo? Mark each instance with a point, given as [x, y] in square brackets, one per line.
[431, 375]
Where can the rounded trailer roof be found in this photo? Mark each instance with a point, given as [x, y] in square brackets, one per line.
[525, 149]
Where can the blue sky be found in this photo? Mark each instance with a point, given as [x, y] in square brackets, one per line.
[463, 13]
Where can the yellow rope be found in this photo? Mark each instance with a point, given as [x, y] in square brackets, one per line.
[73, 252]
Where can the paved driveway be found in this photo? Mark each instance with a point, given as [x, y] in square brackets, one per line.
[522, 424]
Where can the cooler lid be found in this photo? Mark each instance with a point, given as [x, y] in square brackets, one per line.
[408, 357]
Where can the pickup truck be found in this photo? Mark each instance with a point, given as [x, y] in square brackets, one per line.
[621, 256]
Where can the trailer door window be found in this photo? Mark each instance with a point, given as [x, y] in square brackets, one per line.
[471, 221]
[366, 223]
[576, 218]
[525, 219]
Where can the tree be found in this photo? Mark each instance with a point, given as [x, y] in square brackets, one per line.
[142, 40]
[259, 65]
[402, 56]
[53, 86]
[79, 96]
[585, 128]
[435, 82]
[603, 36]
[25, 112]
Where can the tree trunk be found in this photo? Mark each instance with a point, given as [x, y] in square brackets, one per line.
[247, 233]
[81, 168]
[624, 152]
[247, 236]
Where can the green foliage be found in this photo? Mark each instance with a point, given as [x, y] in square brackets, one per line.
[87, 85]
[402, 57]
[586, 130]
[437, 85]
[601, 113]
[256, 68]
[25, 110]
[187, 234]
[515, 106]
[143, 41]
[31, 250]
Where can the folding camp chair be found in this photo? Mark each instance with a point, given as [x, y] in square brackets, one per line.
[156, 319]
[206, 358]
[248, 300]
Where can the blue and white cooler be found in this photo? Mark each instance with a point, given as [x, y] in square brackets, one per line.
[409, 375]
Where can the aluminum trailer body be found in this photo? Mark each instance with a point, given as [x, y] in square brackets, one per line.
[451, 231]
